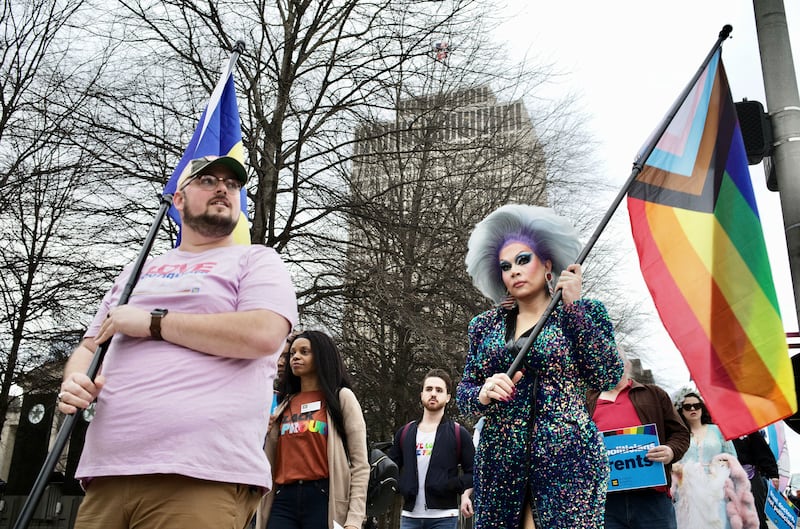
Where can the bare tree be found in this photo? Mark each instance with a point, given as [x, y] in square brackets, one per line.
[46, 282]
[51, 265]
[30, 29]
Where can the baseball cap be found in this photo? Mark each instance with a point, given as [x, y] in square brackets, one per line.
[198, 165]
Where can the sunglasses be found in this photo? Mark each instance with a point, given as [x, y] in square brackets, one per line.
[521, 260]
[692, 406]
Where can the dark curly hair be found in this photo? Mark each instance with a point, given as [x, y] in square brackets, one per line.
[705, 417]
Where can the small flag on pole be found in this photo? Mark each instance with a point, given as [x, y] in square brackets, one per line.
[440, 51]
[219, 133]
[702, 253]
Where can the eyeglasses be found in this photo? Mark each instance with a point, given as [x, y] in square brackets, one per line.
[689, 406]
[210, 182]
[521, 260]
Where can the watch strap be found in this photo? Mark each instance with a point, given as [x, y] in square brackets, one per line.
[156, 315]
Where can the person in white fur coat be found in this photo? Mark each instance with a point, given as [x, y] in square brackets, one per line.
[710, 487]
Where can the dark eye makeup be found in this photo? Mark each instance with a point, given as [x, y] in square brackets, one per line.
[521, 260]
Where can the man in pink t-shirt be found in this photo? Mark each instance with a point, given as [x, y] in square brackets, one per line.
[184, 392]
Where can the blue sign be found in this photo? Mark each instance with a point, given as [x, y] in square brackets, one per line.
[627, 448]
[778, 510]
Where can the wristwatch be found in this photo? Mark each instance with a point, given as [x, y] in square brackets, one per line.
[156, 315]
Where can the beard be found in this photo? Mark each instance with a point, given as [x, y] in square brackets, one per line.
[209, 225]
[433, 406]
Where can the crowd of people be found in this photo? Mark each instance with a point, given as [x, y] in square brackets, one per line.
[205, 332]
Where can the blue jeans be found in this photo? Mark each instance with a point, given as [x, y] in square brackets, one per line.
[301, 505]
[449, 522]
[639, 509]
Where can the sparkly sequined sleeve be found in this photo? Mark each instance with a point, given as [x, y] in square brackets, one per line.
[587, 325]
[475, 369]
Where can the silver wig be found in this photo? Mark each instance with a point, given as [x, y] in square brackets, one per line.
[551, 237]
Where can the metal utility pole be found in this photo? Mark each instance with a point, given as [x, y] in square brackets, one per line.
[783, 106]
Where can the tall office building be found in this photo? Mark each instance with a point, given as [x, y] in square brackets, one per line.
[465, 139]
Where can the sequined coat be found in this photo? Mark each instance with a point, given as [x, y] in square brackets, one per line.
[562, 460]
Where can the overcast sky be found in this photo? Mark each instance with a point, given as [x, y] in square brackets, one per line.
[627, 61]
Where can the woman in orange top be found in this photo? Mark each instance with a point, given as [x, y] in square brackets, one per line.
[317, 444]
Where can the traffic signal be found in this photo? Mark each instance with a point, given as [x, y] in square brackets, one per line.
[756, 130]
[757, 135]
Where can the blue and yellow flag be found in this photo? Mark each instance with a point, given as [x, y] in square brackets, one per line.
[219, 133]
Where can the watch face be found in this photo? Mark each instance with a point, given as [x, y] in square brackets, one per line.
[88, 413]
[36, 414]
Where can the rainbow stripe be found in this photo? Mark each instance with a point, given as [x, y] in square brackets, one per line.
[645, 429]
[702, 253]
[219, 133]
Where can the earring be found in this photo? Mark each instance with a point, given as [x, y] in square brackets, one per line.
[548, 278]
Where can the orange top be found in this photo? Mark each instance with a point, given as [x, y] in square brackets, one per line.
[302, 451]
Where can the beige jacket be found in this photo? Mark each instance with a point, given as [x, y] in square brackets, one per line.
[347, 496]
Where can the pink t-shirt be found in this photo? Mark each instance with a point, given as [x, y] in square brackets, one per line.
[167, 409]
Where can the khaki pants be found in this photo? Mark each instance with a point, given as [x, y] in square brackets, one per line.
[166, 501]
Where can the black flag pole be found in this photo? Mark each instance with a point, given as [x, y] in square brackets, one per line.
[70, 420]
[638, 165]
